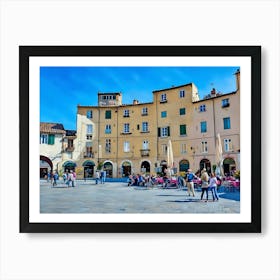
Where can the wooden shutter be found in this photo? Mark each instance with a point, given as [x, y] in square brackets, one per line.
[51, 139]
[159, 131]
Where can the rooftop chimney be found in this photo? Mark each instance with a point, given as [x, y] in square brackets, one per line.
[135, 102]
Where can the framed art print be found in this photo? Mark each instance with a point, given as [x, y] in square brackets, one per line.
[140, 139]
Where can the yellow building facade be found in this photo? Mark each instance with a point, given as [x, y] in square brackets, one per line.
[133, 138]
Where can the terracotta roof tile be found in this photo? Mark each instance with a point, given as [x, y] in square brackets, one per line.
[56, 128]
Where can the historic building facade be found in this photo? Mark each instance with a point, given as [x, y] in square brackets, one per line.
[133, 138]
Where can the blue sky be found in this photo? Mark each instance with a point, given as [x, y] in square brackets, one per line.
[63, 88]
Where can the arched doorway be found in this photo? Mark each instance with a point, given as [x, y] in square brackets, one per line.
[46, 166]
[205, 163]
[108, 167]
[69, 165]
[145, 167]
[88, 169]
[126, 169]
[229, 165]
[184, 165]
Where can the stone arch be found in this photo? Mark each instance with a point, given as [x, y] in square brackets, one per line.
[46, 166]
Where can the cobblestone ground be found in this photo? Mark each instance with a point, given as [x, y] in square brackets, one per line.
[87, 197]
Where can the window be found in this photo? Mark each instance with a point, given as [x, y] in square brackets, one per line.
[227, 145]
[89, 128]
[183, 129]
[88, 152]
[163, 97]
[144, 111]
[89, 114]
[203, 127]
[108, 114]
[202, 108]
[225, 103]
[165, 131]
[183, 148]
[44, 139]
[164, 114]
[145, 127]
[145, 145]
[126, 128]
[126, 113]
[108, 129]
[126, 146]
[108, 146]
[182, 111]
[204, 147]
[226, 123]
[182, 93]
[89, 132]
[164, 149]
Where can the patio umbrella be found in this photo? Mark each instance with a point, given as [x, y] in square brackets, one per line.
[219, 156]
[170, 157]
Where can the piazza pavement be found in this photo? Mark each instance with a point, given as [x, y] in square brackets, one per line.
[118, 197]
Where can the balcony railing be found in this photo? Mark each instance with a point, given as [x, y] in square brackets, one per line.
[145, 152]
[88, 155]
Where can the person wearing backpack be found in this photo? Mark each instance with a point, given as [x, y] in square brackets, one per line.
[189, 178]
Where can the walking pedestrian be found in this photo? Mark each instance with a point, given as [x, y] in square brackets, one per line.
[213, 186]
[97, 176]
[204, 185]
[189, 178]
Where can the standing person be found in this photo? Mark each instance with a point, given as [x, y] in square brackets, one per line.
[204, 186]
[71, 179]
[189, 178]
[64, 176]
[55, 178]
[103, 176]
[97, 177]
[51, 176]
[213, 186]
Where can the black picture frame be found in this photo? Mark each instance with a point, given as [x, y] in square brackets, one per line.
[254, 52]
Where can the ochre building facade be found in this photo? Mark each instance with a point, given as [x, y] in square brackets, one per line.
[133, 138]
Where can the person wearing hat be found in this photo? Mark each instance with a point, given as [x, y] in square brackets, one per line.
[189, 178]
[204, 185]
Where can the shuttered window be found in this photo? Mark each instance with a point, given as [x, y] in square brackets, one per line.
[183, 129]
[51, 139]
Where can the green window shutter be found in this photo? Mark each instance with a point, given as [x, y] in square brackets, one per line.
[183, 130]
[168, 131]
[51, 139]
[158, 131]
[107, 114]
[182, 111]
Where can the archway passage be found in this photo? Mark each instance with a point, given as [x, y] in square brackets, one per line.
[108, 167]
[205, 163]
[229, 166]
[145, 167]
[69, 165]
[126, 169]
[46, 166]
[88, 168]
[184, 165]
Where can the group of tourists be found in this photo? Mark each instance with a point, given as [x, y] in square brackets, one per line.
[100, 176]
[69, 178]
